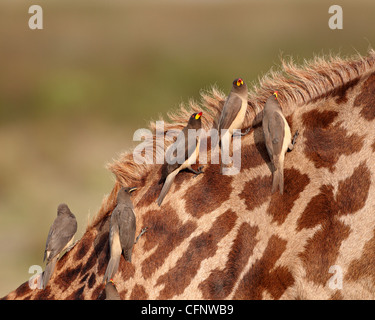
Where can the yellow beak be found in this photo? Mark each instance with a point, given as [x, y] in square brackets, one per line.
[132, 189]
[198, 115]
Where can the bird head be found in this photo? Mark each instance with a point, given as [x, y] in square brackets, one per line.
[195, 121]
[239, 86]
[125, 193]
[238, 82]
[130, 190]
[63, 209]
[196, 116]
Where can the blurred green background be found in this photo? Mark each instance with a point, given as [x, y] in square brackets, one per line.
[72, 94]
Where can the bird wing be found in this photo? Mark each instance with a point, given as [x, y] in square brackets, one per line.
[230, 110]
[267, 135]
[276, 131]
[60, 233]
[127, 226]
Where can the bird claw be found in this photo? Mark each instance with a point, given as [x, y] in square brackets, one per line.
[246, 131]
[140, 234]
[242, 133]
[197, 173]
[294, 140]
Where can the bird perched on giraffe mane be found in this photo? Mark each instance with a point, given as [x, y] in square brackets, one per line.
[234, 110]
[277, 137]
[60, 237]
[177, 161]
[121, 231]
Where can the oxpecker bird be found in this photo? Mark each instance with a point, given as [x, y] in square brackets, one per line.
[234, 110]
[60, 237]
[111, 292]
[121, 231]
[278, 139]
[180, 155]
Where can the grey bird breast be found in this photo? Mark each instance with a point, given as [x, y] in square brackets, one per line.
[61, 232]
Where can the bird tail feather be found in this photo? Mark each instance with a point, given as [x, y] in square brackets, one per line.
[128, 254]
[278, 180]
[50, 267]
[167, 185]
[112, 267]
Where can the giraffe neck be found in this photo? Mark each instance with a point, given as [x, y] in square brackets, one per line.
[228, 237]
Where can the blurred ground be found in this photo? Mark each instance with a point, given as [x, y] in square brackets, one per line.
[72, 94]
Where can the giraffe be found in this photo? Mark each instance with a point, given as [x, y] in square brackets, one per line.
[227, 237]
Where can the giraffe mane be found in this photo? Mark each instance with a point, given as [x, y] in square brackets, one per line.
[297, 85]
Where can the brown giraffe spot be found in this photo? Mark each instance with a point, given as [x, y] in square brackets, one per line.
[126, 269]
[352, 193]
[91, 281]
[138, 293]
[336, 296]
[101, 252]
[255, 154]
[101, 248]
[341, 92]
[152, 192]
[220, 283]
[209, 192]
[326, 142]
[351, 196]
[166, 231]
[281, 205]
[98, 293]
[77, 294]
[366, 98]
[66, 277]
[44, 294]
[256, 191]
[84, 246]
[61, 262]
[361, 268]
[184, 176]
[23, 289]
[89, 264]
[200, 248]
[373, 147]
[322, 249]
[264, 276]
[84, 278]
[319, 119]
[319, 209]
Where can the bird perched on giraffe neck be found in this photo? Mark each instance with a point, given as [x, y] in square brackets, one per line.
[277, 137]
[234, 111]
[60, 237]
[180, 155]
[121, 231]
